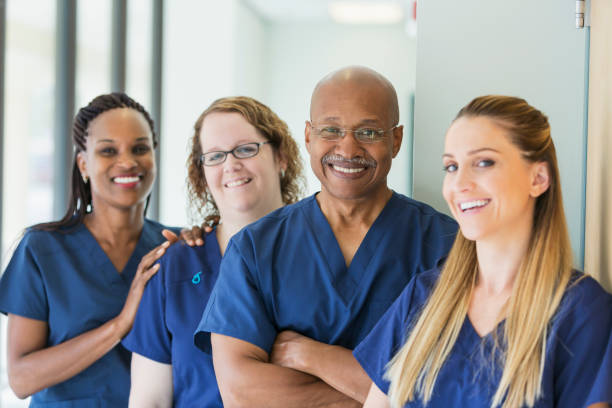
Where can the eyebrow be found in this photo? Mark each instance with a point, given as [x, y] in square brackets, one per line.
[140, 139]
[475, 151]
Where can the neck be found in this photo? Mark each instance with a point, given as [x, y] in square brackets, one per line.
[500, 257]
[116, 226]
[353, 212]
[232, 222]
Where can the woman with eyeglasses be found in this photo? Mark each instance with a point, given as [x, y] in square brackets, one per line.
[72, 287]
[243, 165]
[505, 321]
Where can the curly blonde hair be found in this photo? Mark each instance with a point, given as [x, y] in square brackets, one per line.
[270, 126]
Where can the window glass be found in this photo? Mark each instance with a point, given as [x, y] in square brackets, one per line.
[139, 51]
[28, 134]
[93, 53]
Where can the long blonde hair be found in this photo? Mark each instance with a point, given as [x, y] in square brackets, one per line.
[538, 289]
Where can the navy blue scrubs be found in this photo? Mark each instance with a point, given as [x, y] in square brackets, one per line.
[576, 347]
[286, 272]
[169, 312]
[65, 279]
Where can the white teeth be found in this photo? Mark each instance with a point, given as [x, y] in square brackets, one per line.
[473, 204]
[237, 182]
[126, 180]
[348, 170]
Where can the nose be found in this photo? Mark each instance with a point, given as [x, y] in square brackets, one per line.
[231, 164]
[127, 160]
[463, 180]
[348, 146]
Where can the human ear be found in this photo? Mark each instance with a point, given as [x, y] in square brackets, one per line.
[81, 162]
[540, 181]
[307, 136]
[398, 135]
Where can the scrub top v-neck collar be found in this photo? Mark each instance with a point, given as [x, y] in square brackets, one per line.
[346, 279]
[102, 263]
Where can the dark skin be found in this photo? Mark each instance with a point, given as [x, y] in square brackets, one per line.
[119, 145]
[302, 372]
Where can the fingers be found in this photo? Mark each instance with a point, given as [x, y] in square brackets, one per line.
[170, 236]
[197, 234]
[153, 255]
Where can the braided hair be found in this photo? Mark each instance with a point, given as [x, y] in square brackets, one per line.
[80, 191]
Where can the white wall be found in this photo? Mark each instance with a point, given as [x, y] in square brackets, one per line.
[524, 48]
[211, 49]
[299, 55]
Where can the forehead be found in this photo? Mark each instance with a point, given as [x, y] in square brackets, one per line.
[351, 101]
[223, 129]
[471, 133]
[120, 122]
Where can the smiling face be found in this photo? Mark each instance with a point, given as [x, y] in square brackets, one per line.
[119, 160]
[349, 169]
[489, 187]
[240, 187]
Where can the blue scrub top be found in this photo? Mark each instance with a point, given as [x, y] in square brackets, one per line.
[286, 272]
[576, 347]
[169, 312]
[65, 279]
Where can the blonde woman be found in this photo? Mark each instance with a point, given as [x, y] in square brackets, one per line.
[504, 320]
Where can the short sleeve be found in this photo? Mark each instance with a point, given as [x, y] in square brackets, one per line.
[22, 287]
[149, 336]
[236, 307]
[583, 354]
[387, 337]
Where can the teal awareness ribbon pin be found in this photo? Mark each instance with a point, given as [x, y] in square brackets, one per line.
[196, 278]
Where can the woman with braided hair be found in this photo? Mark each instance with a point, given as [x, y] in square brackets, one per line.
[72, 287]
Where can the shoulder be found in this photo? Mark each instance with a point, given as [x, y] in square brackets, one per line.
[419, 210]
[584, 295]
[181, 261]
[40, 240]
[157, 227]
[277, 222]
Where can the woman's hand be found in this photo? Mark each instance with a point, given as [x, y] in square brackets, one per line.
[195, 235]
[146, 269]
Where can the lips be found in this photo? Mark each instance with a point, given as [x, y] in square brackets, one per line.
[127, 180]
[237, 182]
[473, 205]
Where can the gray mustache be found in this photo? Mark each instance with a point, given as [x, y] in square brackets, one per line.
[337, 159]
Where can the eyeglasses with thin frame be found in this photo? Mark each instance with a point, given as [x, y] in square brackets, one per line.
[363, 134]
[243, 151]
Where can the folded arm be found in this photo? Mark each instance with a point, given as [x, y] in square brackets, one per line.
[333, 364]
[246, 378]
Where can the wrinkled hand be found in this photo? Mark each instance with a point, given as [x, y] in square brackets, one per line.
[146, 269]
[195, 235]
[292, 350]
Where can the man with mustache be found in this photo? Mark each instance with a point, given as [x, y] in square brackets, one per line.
[299, 289]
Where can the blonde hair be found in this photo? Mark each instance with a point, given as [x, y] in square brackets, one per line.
[540, 283]
[269, 125]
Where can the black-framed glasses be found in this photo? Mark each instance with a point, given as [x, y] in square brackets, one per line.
[243, 151]
[364, 134]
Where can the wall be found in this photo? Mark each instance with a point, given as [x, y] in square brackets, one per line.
[299, 55]
[211, 49]
[522, 48]
[598, 237]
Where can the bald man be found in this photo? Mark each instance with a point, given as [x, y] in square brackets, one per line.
[299, 289]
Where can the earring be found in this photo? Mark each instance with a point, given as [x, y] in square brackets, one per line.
[85, 179]
[282, 173]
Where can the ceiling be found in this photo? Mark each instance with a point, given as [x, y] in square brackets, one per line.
[301, 10]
